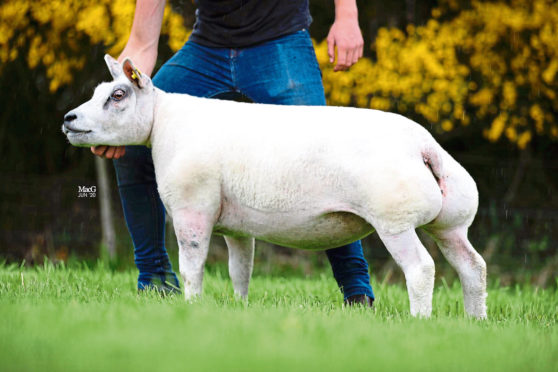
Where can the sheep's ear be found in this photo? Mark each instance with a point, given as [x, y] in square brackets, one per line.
[134, 74]
[114, 67]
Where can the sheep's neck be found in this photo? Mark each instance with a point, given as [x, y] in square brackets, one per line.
[149, 140]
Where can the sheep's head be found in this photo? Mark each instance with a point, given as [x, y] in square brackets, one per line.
[119, 113]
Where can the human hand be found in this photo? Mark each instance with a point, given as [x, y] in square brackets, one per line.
[346, 36]
[109, 152]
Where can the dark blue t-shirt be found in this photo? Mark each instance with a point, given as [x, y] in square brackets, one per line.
[243, 23]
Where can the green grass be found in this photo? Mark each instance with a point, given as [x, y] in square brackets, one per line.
[56, 318]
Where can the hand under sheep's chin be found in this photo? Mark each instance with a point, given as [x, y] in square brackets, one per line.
[79, 138]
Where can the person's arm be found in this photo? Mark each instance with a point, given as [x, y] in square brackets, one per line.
[142, 49]
[345, 35]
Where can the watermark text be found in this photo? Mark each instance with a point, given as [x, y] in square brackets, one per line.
[87, 191]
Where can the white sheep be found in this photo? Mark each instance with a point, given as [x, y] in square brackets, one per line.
[308, 177]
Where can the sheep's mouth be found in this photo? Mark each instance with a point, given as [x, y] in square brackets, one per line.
[70, 130]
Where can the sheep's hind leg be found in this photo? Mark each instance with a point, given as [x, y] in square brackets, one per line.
[241, 262]
[470, 267]
[418, 267]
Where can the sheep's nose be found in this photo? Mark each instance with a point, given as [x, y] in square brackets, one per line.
[70, 117]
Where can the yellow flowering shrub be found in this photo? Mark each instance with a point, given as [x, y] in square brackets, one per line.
[51, 33]
[494, 65]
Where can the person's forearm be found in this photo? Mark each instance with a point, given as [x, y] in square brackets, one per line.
[146, 28]
[345, 9]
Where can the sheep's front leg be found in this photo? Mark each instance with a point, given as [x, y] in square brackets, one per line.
[241, 262]
[193, 232]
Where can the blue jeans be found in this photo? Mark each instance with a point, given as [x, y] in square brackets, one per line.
[282, 71]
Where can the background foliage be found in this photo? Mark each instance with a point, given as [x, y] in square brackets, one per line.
[481, 76]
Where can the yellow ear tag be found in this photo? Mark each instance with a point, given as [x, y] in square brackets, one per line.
[134, 76]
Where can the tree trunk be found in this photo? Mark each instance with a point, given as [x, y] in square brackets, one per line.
[105, 205]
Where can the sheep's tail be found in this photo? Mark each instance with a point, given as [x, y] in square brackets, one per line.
[432, 157]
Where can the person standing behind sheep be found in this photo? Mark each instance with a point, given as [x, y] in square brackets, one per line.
[260, 49]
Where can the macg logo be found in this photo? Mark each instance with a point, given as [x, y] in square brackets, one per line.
[87, 191]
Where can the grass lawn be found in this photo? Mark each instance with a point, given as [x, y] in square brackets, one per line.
[56, 318]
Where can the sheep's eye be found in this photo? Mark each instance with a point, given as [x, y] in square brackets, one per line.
[118, 94]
